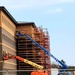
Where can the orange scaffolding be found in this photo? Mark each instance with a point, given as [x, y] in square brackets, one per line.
[28, 50]
[42, 37]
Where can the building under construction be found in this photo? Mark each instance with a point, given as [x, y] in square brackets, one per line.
[22, 46]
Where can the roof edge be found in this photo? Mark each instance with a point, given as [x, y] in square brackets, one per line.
[27, 23]
[12, 18]
[8, 14]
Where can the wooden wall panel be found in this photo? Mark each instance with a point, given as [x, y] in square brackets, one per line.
[9, 49]
[8, 25]
[0, 35]
[6, 65]
[8, 29]
[0, 52]
[6, 40]
[26, 29]
[0, 18]
[1, 62]
[4, 16]
[1, 67]
[8, 34]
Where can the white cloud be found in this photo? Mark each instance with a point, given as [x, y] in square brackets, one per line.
[57, 10]
[31, 3]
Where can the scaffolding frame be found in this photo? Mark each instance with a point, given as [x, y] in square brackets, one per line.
[28, 50]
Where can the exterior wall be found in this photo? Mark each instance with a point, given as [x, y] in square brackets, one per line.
[0, 45]
[7, 41]
[1, 62]
[0, 18]
[74, 72]
[24, 48]
[28, 29]
[1, 57]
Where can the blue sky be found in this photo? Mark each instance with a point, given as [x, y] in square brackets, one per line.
[58, 16]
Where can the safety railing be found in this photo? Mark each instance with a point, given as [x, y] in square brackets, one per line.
[52, 71]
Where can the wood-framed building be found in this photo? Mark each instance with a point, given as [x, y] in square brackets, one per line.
[7, 39]
[22, 47]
